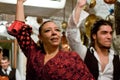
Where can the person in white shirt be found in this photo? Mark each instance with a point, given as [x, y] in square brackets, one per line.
[8, 71]
[101, 60]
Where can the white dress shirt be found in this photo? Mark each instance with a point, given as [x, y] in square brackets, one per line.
[17, 75]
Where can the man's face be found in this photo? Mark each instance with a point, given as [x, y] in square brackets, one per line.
[103, 38]
[5, 64]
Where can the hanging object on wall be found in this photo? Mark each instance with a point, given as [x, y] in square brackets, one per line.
[64, 25]
[64, 43]
[110, 1]
[92, 3]
[110, 17]
[90, 20]
[39, 20]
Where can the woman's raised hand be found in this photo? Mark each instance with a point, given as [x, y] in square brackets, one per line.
[20, 10]
[22, 0]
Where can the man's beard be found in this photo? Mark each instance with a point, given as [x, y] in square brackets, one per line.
[103, 46]
[106, 47]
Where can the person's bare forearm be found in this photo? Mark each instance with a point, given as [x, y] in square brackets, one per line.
[20, 10]
[78, 9]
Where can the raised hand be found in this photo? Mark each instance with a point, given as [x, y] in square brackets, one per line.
[21, 1]
[20, 10]
[79, 6]
[81, 3]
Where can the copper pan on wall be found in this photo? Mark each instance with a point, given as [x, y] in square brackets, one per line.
[90, 20]
[110, 1]
[92, 3]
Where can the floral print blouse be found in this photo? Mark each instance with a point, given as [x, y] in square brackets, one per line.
[64, 66]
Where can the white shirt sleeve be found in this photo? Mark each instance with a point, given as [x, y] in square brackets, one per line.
[18, 76]
[73, 35]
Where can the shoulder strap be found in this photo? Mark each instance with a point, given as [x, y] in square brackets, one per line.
[116, 64]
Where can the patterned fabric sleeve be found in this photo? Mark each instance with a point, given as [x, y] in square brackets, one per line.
[22, 32]
[82, 72]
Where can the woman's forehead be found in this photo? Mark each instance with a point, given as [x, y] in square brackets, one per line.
[50, 25]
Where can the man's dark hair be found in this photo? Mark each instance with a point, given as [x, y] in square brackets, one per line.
[5, 58]
[97, 26]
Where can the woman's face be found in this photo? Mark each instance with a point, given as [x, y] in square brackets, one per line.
[50, 34]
